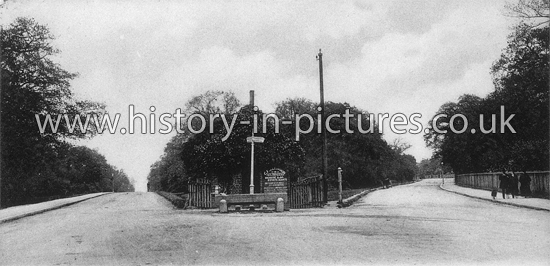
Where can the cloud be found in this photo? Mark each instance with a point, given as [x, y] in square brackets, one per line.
[381, 56]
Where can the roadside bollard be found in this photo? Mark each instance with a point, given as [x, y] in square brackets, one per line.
[223, 206]
[280, 205]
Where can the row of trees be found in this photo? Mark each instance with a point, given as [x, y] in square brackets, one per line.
[433, 166]
[365, 158]
[36, 166]
[521, 82]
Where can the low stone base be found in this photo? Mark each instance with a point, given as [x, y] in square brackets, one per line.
[247, 199]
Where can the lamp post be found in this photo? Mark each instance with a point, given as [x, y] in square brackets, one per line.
[339, 184]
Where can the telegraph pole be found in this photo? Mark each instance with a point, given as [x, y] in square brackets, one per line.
[323, 131]
[1, 31]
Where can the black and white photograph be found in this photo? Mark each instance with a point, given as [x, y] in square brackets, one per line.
[306, 132]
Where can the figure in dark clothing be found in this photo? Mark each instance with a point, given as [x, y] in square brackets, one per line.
[387, 182]
[525, 181]
[503, 185]
[513, 183]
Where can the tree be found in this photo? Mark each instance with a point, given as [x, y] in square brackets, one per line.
[169, 173]
[365, 157]
[537, 12]
[214, 102]
[432, 166]
[521, 82]
[206, 155]
[33, 84]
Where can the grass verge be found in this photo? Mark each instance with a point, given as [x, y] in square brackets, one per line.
[177, 201]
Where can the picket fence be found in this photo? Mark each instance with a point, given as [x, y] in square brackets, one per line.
[306, 193]
[201, 193]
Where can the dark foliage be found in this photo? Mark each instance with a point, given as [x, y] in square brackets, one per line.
[38, 166]
[521, 88]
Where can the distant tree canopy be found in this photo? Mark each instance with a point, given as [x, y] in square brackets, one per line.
[365, 157]
[521, 83]
[38, 166]
[432, 166]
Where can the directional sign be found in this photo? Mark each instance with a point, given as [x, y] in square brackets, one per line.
[255, 139]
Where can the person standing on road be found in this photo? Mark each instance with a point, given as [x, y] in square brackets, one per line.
[513, 183]
[503, 185]
[387, 182]
[525, 182]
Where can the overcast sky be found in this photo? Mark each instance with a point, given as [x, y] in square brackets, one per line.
[380, 56]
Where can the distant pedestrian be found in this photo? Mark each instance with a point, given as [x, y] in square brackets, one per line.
[503, 184]
[525, 181]
[513, 183]
[387, 183]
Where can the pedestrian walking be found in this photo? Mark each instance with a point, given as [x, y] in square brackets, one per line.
[387, 183]
[503, 184]
[525, 181]
[513, 183]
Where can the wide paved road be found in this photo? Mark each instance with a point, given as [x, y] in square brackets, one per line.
[412, 224]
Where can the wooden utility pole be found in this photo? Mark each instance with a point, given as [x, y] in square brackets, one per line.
[1, 31]
[323, 130]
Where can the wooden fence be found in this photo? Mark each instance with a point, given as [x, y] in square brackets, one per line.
[307, 193]
[200, 193]
[540, 184]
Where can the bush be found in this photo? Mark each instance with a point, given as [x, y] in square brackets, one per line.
[175, 200]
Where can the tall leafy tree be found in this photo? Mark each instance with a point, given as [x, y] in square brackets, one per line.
[365, 157]
[521, 82]
[33, 84]
[169, 172]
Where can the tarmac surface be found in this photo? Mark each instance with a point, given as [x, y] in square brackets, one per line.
[419, 223]
[519, 201]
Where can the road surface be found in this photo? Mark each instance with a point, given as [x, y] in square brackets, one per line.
[412, 224]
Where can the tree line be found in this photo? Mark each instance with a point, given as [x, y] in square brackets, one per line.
[520, 77]
[40, 166]
[366, 158]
